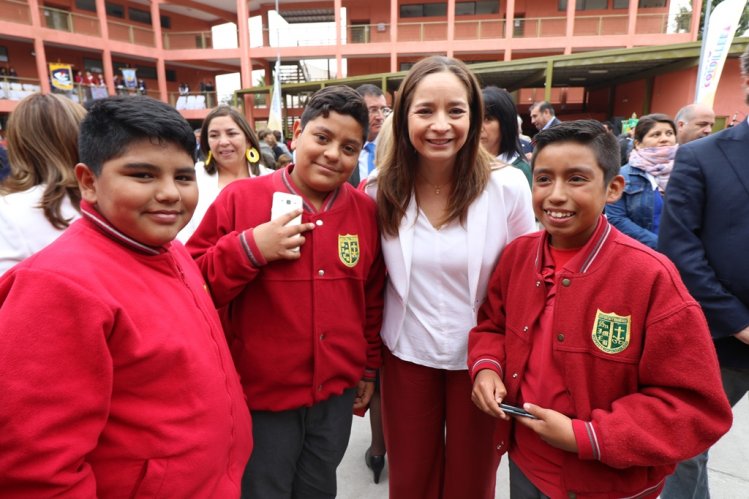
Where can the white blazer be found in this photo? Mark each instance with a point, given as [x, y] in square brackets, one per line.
[501, 213]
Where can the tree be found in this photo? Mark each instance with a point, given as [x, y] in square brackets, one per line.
[683, 18]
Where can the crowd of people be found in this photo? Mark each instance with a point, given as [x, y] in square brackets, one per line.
[179, 327]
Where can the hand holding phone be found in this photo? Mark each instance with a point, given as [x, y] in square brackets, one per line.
[284, 203]
[516, 411]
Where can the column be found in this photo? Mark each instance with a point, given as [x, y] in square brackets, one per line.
[338, 56]
[42, 69]
[159, 42]
[509, 28]
[450, 26]
[394, 12]
[570, 30]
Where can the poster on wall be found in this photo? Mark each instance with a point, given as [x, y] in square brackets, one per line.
[61, 76]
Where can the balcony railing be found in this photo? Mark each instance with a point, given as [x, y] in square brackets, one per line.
[176, 40]
[15, 11]
[136, 35]
[480, 29]
[15, 88]
[192, 100]
[71, 22]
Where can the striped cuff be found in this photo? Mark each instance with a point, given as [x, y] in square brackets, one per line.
[247, 240]
[370, 375]
[587, 440]
[486, 364]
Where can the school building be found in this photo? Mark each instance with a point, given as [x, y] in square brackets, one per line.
[590, 58]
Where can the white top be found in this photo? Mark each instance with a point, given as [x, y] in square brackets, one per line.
[24, 229]
[500, 214]
[440, 313]
[208, 190]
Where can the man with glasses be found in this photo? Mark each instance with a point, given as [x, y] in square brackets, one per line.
[378, 110]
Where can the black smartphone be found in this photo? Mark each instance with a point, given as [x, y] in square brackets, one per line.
[516, 411]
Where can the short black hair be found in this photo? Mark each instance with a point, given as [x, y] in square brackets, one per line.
[498, 105]
[542, 106]
[369, 89]
[113, 123]
[588, 133]
[340, 99]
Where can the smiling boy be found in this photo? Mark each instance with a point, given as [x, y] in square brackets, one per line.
[303, 324]
[115, 375]
[583, 327]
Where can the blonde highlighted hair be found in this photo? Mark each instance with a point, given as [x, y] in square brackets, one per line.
[43, 149]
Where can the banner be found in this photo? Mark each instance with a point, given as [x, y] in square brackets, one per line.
[129, 78]
[724, 20]
[61, 76]
[275, 118]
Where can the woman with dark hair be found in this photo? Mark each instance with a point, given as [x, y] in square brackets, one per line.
[638, 211]
[40, 197]
[231, 150]
[499, 133]
[446, 209]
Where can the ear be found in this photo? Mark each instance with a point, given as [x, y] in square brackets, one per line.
[86, 182]
[297, 133]
[615, 189]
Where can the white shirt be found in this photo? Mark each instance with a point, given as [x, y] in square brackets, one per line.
[440, 311]
[24, 229]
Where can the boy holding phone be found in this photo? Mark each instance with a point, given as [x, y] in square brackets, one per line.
[596, 336]
[302, 312]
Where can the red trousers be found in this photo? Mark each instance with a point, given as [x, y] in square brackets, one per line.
[439, 444]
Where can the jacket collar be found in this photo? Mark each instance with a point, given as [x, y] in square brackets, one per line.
[101, 223]
[293, 189]
[587, 256]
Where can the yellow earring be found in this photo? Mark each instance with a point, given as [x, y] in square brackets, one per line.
[208, 158]
[252, 155]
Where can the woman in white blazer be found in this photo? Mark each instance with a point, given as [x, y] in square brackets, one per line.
[446, 210]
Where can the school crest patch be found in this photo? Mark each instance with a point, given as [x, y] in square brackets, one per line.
[611, 332]
[348, 249]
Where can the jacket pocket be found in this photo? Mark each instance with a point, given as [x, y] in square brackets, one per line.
[151, 479]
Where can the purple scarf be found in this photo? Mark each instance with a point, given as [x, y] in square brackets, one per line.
[657, 161]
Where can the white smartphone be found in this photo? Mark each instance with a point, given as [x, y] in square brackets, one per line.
[283, 203]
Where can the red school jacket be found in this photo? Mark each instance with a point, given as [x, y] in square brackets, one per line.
[300, 330]
[115, 377]
[634, 351]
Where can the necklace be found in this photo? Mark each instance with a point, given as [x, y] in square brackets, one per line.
[437, 188]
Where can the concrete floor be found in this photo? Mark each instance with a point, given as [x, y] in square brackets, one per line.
[728, 465]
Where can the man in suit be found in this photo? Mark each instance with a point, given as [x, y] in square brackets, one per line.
[704, 231]
[378, 111]
[542, 115]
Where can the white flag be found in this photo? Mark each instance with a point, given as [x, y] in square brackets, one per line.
[275, 119]
[724, 20]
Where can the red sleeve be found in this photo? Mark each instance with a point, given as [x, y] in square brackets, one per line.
[228, 258]
[486, 341]
[56, 384]
[374, 296]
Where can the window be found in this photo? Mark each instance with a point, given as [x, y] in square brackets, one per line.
[115, 10]
[89, 5]
[465, 8]
[481, 7]
[424, 10]
[586, 4]
[166, 22]
[3, 54]
[139, 16]
[93, 65]
[624, 4]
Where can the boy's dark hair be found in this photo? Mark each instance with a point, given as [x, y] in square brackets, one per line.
[340, 99]
[369, 89]
[113, 123]
[589, 133]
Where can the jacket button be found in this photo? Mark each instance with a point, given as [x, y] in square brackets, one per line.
[538, 284]
[318, 222]
[322, 336]
[525, 329]
[319, 388]
[566, 282]
[321, 272]
[514, 375]
[500, 445]
[560, 337]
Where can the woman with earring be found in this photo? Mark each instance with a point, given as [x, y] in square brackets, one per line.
[638, 211]
[232, 152]
[446, 210]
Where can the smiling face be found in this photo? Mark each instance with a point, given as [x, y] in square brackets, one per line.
[438, 119]
[660, 135]
[227, 142]
[491, 135]
[569, 193]
[148, 193]
[327, 152]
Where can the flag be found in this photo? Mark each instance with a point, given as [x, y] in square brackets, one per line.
[724, 20]
[61, 76]
[128, 76]
[275, 119]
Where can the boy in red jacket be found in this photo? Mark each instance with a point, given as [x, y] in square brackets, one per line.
[115, 376]
[594, 335]
[302, 313]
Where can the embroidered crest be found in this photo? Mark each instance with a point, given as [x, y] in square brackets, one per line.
[611, 332]
[348, 249]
